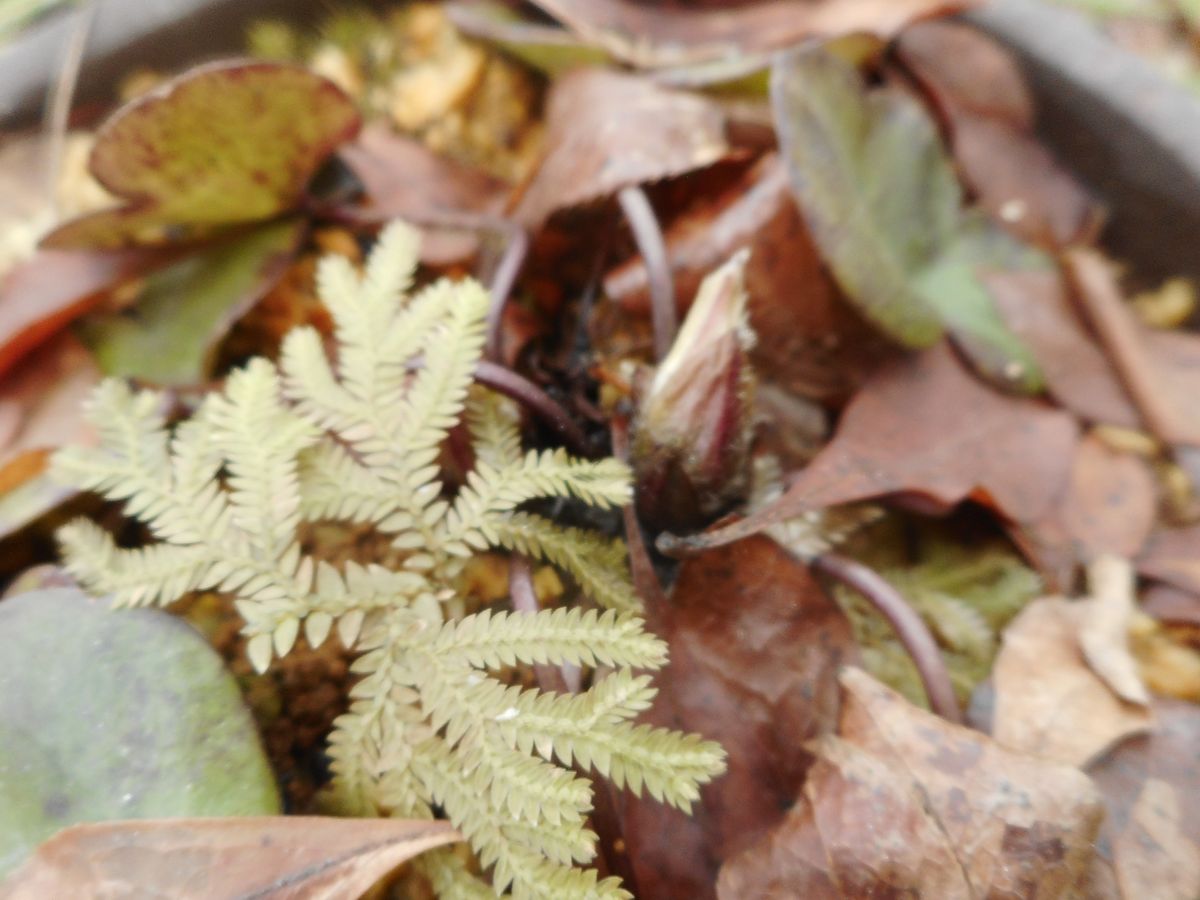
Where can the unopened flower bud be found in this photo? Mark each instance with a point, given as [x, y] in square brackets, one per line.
[692, 437]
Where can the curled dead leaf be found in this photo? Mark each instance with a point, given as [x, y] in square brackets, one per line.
[293, 857]
[606, 130]
[1049, 700]
[901, 803]
[926, 426]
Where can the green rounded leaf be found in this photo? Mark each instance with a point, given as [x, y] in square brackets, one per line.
[116, 715]
[169, 336]
[886, 210]
[224, 143]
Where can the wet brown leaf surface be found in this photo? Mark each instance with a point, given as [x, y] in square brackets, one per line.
[755, 647]
[900, 803]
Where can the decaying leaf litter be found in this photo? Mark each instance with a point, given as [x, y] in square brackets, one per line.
[798, 502]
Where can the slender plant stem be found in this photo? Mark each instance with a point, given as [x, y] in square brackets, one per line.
[503, 279]
[649, 237]
[564, 679]
[909, 628]
[528, 394]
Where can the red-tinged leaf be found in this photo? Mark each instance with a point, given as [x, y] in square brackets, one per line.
[277, 857]
[404, 179]
[43, 295]
[224, 143]
[606, 131]
[904, 804]
[41, 407]
[755, 647]
[1109, 507]
[982, 96]
[657, 35]
[1150, 784]
[926, 426]
[808, 338]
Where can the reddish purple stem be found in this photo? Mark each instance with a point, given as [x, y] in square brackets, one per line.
[909, 628]
[528, 394]
[647, 233]
[566, 679]
[503, 280]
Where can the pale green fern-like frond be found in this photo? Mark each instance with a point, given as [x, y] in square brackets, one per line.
[432, 724]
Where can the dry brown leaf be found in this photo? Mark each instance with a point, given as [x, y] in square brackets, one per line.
[926, 426]
[809, 339]
[902, 803]
[404, 179]
[606, 131]
[982, 96]
[657, 35]
[1109, 506]
[1104, 634]
[755, 647]
[1049, 702]
[276, 857]
[1152, 831]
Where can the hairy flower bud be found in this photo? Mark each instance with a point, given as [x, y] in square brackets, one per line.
[691, 442]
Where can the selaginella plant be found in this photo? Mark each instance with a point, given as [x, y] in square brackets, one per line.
[435, 727]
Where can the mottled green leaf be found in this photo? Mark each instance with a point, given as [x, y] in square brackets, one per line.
[224, 143]
[183, 311]
[116, 715]
[886, 209]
